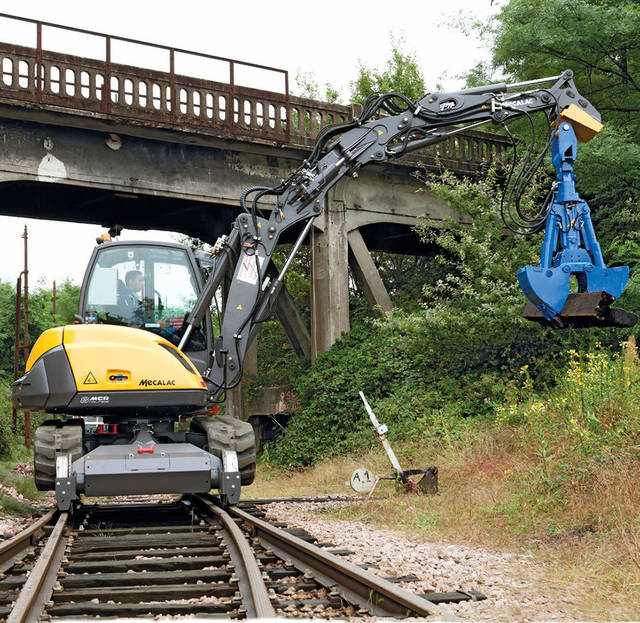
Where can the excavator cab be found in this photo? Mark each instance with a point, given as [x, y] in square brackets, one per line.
[150, 286]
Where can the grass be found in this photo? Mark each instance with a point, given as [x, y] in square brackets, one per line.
[17, 508]
[480, 503]
[24, 486]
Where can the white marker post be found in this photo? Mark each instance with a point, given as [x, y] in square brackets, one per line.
[381, 431]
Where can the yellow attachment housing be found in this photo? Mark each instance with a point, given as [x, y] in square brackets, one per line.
[584, 125]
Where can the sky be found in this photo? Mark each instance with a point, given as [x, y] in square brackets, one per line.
[328, 40]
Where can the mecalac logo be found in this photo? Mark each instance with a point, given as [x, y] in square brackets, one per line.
[156, 382]
[522, 102]
[94, 400]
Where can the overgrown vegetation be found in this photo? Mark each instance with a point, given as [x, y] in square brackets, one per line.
[457, 356]
[582, 442]
[554, 470]
[401, 74]
[40, 315]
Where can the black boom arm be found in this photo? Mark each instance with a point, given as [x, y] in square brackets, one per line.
[390, 126]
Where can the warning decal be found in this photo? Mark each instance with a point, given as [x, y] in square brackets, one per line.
[90, 380]
[248, 271]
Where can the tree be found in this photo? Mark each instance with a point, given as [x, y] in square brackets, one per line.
[598, 39]
[67, 297]
[7, 327]
[307, 86]
[401, 74]
[40, 315]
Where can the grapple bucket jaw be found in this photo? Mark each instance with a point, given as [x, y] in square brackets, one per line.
[584, 309]
[551, 301]
[570, 249]
[546, 289]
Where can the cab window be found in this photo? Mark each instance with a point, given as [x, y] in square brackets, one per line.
[147, 287]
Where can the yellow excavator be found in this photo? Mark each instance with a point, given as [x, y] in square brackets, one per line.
[144, 356]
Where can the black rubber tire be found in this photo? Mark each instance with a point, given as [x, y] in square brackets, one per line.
[228, 433]
[44, 449]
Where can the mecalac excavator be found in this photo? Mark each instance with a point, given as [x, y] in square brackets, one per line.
[143, 363]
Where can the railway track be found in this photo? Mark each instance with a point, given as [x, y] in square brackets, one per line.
[186, 557]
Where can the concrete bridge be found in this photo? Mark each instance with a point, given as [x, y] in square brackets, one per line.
[92, 141]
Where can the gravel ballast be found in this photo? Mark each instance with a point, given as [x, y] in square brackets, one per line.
[511, 582]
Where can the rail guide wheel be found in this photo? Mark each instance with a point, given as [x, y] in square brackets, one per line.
[227, 435]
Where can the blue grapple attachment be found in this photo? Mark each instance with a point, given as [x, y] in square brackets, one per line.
[569, 249]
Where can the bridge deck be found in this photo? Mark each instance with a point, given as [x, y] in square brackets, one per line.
[37, 78]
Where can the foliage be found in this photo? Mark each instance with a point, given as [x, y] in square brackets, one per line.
[405, 276]
[307, 86]
[277, 359]
[401, 74]
[40, 315]
[7, 439]
[608, 171]
[67, 297]
[594, 408]
[579, 440]
[40, 319]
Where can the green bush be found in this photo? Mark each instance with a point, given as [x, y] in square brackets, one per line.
[452, 359]
[6, 434]
[593, 413]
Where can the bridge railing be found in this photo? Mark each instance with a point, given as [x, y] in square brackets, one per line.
[83, 85]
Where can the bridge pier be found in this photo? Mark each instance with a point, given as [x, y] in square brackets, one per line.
[293, 325]
[329, 276]
[367, 274]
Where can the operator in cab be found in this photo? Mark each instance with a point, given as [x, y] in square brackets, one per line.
[130, 296]
[130, 303]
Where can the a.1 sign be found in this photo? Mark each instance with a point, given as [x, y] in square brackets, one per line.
[362, 480]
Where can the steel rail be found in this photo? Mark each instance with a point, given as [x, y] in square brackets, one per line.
[356, 585]
[31, 600]
[12, 547]
[254, 593]
[294, 500]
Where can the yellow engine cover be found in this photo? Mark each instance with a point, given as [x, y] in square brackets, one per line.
[113, 358]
